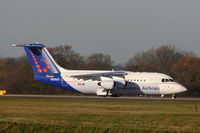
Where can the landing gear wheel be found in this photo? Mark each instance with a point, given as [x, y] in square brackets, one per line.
[173, 97]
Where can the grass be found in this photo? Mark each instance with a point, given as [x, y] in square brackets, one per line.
[22, 115]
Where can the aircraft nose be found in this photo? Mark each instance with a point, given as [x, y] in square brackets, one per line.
[182, 88]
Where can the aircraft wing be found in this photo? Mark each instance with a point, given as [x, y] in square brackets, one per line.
[98, 75]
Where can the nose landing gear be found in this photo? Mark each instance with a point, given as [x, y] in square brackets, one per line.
[173, 96]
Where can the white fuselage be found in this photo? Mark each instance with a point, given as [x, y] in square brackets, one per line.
[97, 82]
[137, 83]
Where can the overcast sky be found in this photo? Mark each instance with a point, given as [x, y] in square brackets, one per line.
[119, 28]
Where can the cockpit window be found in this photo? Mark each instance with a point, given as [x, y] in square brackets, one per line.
[171, 80]
[167, 80]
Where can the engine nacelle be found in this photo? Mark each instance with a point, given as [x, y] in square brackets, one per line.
[119, 82]
[107, 83]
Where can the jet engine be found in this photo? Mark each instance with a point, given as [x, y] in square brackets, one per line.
[107, 83]
[119, 82]
[111, 83]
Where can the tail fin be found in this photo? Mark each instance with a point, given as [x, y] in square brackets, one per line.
[44, 67]
[40, 59]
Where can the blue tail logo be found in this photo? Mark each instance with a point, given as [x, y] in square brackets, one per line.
[40, 60]
[44, 67]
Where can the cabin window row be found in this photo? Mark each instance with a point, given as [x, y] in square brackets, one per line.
[142, 80]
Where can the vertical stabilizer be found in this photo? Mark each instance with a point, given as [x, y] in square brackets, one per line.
[44, 67]
[40, 59]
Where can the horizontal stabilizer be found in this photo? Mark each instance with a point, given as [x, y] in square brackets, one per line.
[28, 45]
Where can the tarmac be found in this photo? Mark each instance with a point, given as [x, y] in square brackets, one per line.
[153, 98]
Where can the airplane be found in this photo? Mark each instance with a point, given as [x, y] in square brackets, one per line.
[101, 83]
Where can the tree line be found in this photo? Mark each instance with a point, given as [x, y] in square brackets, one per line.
[16, 75]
